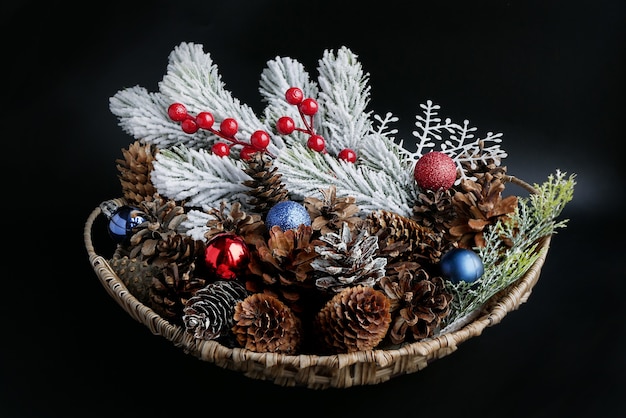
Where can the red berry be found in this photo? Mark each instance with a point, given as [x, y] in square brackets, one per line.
[308, 106]
[220, 149]
[260, 139]
[205, 120]
[177, 112]
[189, 126]
[348, 155]
[435, 170]
[285, 125]
[316, 143]
[294, 96]
[246, 152]
[229, 127]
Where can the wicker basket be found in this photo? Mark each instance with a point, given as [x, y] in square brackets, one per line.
[315, 371]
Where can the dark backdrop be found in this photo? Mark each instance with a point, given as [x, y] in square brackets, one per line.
[548, 75]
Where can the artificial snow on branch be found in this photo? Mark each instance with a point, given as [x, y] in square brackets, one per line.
[198, 178]
[343, 100]
[143, 115]
[279, 75]
[306, 172]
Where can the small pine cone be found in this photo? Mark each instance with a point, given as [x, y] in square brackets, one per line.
[330, 213]
[250, 227]
[264, 324]
[346, 260]
[393, 284]
[479, 204]
[434, 210]
[402, 239]
[355, 319]
[180, 249]
[424, 304]
[163, 219]
[266, 188]
[163, 289]
[208, 314]
[170, 290]
[134, 172]
[137, 276]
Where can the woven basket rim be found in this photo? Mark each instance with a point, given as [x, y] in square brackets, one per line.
[321, 371]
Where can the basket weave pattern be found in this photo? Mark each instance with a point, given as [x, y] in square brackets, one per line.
[315, 371]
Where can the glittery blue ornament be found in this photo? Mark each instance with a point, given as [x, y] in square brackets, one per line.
[461, 265]
[123, 221]
[288, 215]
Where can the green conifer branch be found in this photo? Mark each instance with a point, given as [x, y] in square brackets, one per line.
[534, 218]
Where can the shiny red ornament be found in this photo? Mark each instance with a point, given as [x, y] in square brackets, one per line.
[435, 170]
[226, 256]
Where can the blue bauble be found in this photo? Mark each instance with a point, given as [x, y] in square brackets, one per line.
[461, 265]
[123, 221]
[288, 215]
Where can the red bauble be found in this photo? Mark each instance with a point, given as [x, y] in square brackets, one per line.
[435, 170]
[226, 256]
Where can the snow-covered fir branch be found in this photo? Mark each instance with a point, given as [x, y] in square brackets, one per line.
[199, 178]
[343, 100]
[306, 172]
[279, 75]
[143, 115]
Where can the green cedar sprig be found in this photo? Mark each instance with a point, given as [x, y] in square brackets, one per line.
[535, 217]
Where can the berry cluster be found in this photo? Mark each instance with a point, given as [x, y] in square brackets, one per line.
[307, 107]
[259, 140]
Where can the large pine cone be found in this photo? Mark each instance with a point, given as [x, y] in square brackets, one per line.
[134, 172]
[264, 324]
[346, 260]
[355, 319]
[208, 314]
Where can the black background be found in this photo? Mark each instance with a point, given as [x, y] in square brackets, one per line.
[549, 75]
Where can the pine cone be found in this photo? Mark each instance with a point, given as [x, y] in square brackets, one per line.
[402, 239]
[266, 186]
[163, 219]
[346, 260]
[137, 275]
[479, 204]
[355, 319]
[134, 172]
[420, 304]
[330, 213]
[264, 324]
[282, 267]
[164, 289]
[434, 210]
[208, 314]
[158, 243]
[250, 227]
